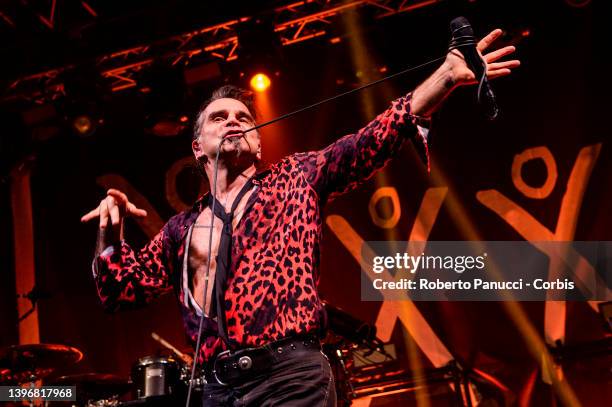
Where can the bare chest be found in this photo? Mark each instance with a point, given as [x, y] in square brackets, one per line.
[203, 250]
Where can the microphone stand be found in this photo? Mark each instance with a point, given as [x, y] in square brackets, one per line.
[213, 191]
[34, 295]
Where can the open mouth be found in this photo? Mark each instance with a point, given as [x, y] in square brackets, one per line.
[233, 133]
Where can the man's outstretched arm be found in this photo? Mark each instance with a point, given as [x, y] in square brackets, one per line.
[354, 158]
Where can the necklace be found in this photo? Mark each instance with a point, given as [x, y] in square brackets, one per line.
[197, 225]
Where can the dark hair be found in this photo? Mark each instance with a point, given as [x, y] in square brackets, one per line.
[225, 91]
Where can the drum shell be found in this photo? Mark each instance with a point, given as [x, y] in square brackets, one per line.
[155, 376]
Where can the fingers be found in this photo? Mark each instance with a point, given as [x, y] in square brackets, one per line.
[103, 214]
[121, 198]
[113, 211]
[125, 205]
[488, 40]
[134, 211]
[94, 213]
[497, 69]
[499, 53]
[115, 206]
[498, 73]
[515, 63]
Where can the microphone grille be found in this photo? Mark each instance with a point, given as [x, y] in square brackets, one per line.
[460, 26]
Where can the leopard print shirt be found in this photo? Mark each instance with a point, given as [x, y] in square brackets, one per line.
[271, 291]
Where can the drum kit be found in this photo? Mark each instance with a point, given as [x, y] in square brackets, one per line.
[164, 379]
[363, 367]
[154, 380]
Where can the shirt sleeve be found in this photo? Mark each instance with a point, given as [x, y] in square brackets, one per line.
[126, 278]
[354, 158]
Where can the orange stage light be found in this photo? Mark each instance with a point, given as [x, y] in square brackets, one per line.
[83, 125]
[260, 82]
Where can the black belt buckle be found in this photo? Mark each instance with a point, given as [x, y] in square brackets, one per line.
[243, 364]
[227, 367]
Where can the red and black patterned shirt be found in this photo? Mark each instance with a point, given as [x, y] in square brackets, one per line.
[272, 284]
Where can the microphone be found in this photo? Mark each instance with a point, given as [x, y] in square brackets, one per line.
[462, 38]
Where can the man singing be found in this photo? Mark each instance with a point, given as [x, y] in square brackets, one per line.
[256, 280]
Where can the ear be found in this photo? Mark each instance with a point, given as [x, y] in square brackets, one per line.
[196, 148]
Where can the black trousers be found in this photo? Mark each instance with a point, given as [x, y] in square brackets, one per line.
[303, 378]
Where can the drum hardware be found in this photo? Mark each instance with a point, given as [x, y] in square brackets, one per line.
[30, 363]
[163, 379]
[34, 295]
[95, 389]
[109, 402]
[184, 363]
[349, 339]
[185, 367]
[379, 380]
[181, 355]
[26, 363]
[155, 376]
[198, 381]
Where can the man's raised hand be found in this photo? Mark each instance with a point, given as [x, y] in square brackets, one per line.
[495, 68]
[114, 207]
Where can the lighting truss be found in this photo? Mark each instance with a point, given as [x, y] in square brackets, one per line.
[293, 23]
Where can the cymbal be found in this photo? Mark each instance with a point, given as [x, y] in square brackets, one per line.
[9, 377]
[94, 386]
[38, 357]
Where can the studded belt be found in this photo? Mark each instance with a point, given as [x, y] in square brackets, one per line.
[229, 367]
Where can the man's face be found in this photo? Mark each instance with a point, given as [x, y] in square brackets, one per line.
[223, 118]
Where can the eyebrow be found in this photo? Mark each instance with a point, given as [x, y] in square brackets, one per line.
[224, 111]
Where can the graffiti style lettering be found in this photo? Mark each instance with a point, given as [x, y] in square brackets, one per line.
[396, 212]
[404, 311]
[532, 230]
[546, 156]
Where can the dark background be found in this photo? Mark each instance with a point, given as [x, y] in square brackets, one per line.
[558, 98]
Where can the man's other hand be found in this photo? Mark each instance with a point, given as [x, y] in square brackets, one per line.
[111, 212]
[462, 75]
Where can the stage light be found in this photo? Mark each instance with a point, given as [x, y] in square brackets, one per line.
[84, 125]
[84, 104]
[260, 82]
